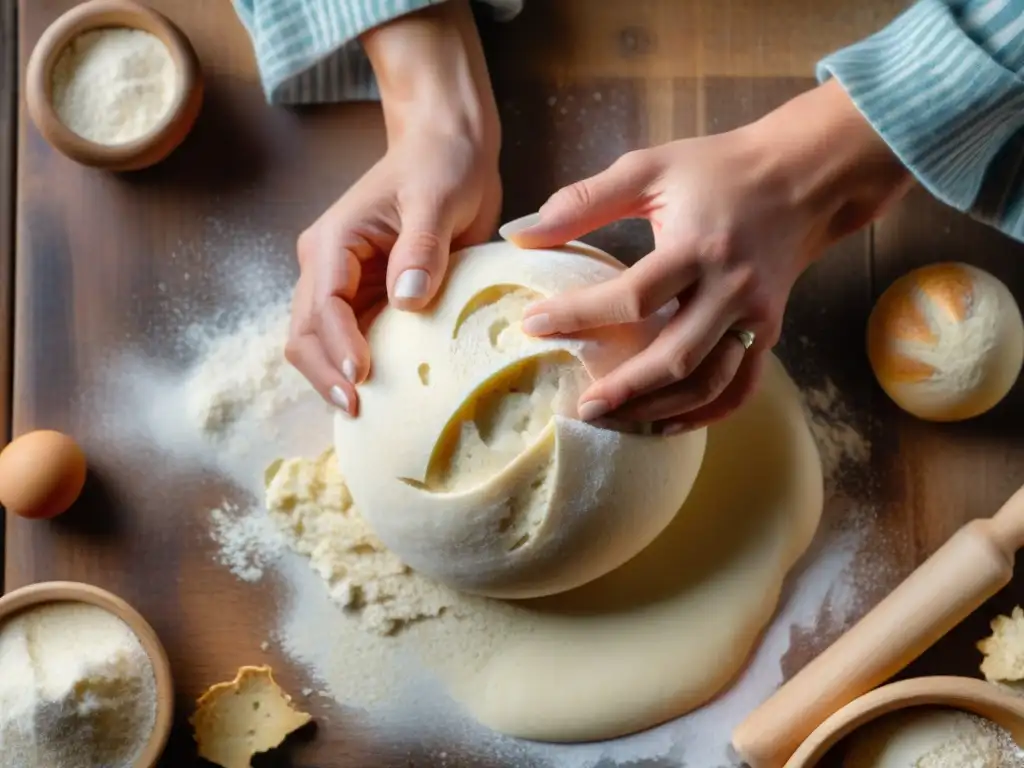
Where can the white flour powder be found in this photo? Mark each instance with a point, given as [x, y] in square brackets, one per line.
[238, 407]
[357, 667]
[925, 737]
[114, 85]
[76, 689]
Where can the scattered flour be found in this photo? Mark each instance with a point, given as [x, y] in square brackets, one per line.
[840, 444]
[372, 636]
[247, 543]
[77, 689]
[359, 668]
[113, 86]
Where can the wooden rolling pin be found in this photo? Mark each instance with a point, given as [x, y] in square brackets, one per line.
[962, 574]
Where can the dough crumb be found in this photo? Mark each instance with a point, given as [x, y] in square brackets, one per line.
[251, 714]
[1004, 650]
[310, 503]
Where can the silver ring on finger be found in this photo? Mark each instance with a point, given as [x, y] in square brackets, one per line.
[746, 338]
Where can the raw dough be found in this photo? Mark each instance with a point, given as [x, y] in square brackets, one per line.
[1004, 649]
[467, 459]
[930, 738]
[251, 714]
[670, 629]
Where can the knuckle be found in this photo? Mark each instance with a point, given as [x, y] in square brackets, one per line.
[719, 251]
[575, 197]
[682, 362]
[305, 246]
[293, 352]
[422, 243]
[631, 162]
[628, 306]
[742, 283]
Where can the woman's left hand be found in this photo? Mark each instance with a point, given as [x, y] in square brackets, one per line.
[736, 219]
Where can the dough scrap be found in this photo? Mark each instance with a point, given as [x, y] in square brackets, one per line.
[309, 502]
[468, 460]
[1004, 649]
[670, 629]
[251, 714]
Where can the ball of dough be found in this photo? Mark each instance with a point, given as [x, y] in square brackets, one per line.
[946, 341]
[468, 460]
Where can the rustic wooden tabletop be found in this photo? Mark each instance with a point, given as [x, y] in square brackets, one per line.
[83, 267]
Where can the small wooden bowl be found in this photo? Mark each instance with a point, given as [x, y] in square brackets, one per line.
[964, 693]
[72, 591]
[145, 151]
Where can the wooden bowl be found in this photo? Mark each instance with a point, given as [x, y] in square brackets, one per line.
[71, 591]
[964, 693]
[145, 150]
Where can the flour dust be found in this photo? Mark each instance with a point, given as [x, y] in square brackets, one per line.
[218, 398]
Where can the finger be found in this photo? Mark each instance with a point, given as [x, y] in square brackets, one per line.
[617, 192]
[633, 296]
[306, 353]
[483, 226]
[706, 384]
[673, 356]
[302, 306]
[740, 388]
[419, 259]
[336, 277]
[342, 341]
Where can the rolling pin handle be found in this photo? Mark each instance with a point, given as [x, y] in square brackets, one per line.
[1006, 527]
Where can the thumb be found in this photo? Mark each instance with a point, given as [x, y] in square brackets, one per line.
[616, 193]
[418, 261]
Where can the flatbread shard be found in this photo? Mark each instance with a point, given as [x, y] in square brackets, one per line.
[1004, 650]
[251, 714]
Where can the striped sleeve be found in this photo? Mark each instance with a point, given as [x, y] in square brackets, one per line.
[308, 51]
[943, 87]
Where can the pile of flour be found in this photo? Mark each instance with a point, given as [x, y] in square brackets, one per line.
[924, 737]
[77, 689]
[115, 85]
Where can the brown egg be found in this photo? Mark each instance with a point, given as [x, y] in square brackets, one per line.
[41, 474]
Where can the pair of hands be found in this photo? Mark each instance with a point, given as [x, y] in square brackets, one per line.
[736, 218]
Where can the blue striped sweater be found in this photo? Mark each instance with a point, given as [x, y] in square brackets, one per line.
[942, 84]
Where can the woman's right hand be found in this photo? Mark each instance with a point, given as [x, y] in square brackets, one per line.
[437, 189]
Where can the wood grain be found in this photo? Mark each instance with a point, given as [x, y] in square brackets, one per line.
[8, 165]
[108, 265]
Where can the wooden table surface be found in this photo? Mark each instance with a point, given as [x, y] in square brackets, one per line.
[89, 269]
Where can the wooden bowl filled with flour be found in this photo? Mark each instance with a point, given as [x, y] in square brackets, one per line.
[84, 680]
[113, 84]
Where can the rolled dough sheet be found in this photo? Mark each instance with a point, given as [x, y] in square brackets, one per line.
[663, 634]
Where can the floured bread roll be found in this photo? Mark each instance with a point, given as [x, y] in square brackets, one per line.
[467, 458]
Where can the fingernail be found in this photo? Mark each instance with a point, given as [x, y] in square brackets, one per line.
[668, 311]
[594, 409]
[412, 284]
[507, 230]
[339, 398]
[348, 370]
[538, 325]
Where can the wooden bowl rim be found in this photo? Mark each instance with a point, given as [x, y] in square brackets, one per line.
[86, 17]
[33, 595]
[968, 694]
